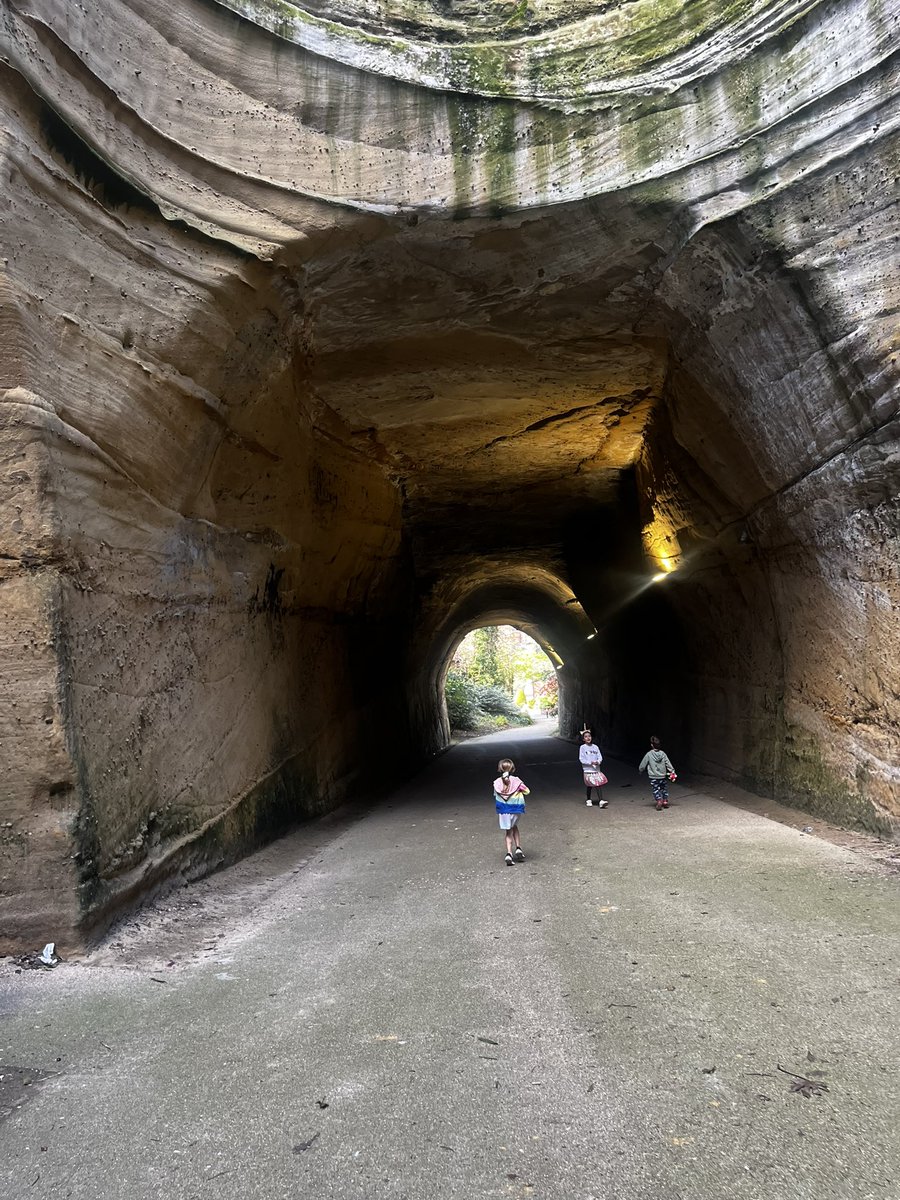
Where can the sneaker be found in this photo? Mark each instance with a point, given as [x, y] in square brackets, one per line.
[659, 806]
[665, 804]
[520, 855]
[602, 803]
[589, 804]
[508, 860]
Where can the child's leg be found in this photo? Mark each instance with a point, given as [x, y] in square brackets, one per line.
[519, 855]
[504, 825]
[656, 788]
[509, 840]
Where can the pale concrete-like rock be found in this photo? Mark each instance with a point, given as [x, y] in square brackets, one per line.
[328, 333]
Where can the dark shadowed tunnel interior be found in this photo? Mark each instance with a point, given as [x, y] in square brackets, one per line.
[311, 366]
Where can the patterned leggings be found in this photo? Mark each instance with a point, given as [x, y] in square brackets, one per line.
[660, 789]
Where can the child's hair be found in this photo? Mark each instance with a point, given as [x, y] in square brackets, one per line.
[506, 764]
[655, 742]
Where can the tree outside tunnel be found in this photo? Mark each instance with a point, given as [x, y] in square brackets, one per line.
[499, 676]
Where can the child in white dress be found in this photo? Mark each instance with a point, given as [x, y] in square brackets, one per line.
[590, 758]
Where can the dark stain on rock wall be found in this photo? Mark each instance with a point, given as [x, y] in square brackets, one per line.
[267, 599]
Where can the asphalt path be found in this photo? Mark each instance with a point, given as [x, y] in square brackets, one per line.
[378, 1008]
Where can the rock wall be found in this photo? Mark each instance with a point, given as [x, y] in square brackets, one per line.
[196, 564]
[790, 325]
[329, 333]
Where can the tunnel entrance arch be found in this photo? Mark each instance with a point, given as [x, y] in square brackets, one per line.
[499, 673]
[505, 658]
[533, 599]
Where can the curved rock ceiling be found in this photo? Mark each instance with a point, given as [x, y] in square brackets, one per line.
[570, 55]
[231, 128]
[330, 331]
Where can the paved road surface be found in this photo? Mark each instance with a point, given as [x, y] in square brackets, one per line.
[378, 1008]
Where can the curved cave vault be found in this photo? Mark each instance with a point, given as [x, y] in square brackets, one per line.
[325, 337]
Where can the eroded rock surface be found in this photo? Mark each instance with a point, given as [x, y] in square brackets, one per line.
[329, 333]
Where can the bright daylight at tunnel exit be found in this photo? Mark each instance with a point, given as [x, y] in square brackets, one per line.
[449, 579]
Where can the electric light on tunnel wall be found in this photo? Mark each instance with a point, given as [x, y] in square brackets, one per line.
[554, 657]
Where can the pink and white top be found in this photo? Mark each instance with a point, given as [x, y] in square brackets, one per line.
[509, 787]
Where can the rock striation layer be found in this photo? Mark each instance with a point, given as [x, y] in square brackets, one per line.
[330, 332]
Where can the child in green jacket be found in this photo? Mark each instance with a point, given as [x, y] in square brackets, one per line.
[659, 772]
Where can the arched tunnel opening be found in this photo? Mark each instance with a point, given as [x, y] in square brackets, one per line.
[274, 449]
[519, 621]
[499, 674]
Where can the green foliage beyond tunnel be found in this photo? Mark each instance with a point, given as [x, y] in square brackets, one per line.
[499, 677]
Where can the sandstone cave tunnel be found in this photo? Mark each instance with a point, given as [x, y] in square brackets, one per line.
[328, 334]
